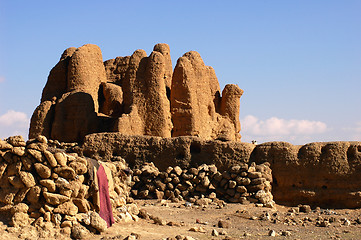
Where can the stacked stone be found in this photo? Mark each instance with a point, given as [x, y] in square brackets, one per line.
[50, 188]
[240, 184]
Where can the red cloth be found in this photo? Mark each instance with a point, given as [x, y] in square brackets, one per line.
[105, 211]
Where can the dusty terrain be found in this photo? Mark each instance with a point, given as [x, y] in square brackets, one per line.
[244, 222]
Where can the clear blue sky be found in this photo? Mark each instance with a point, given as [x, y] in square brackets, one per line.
[299, 62]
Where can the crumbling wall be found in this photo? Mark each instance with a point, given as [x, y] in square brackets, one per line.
[239, 184]
[134, 95]
[324, 174]
[319, 174]
[164, 152]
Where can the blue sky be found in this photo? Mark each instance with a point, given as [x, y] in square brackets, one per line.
[299, 62]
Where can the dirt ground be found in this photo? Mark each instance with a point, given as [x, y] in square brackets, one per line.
[238, 221]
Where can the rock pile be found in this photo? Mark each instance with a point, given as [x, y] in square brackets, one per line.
[50, 188]
[135, 95]
[240, 184]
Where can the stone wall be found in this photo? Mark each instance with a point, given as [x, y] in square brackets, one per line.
[164, 152]
[202, 185]
[319, 174]
[135, 95]
[45, 184]
[325, 174]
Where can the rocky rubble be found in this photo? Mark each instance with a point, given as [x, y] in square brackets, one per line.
[50, 188]
[240, 184]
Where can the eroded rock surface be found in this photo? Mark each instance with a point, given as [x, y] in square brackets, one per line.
[135, 95]
[324, 174]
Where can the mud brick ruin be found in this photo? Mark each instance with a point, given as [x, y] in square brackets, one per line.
[135, 95]
[140, 109]
[158, 133]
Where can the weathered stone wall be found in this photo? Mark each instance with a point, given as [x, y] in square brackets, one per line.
[323, 174]
[240, 184]
[164, 152]
[135, 95]
[50, 187]
[319, 174]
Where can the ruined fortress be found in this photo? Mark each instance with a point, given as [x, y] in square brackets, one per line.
[135, 95]
[140, 109]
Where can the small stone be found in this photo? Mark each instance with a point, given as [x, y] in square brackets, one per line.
[36, 154]
[177, 170]
[20, 219]
[197, 229]
[143, 214]
[159, 221]
[21, 207]
[56, 218]
[223, 224]
[42, 139]
[272, 233]
[27, 178]
[286, 233]
[20, 151]
[79, 232]
[188, 238]
[66, 231]
[66, 224]
[324, 223]
[97, 222]
[232, 184]
[78, 167]
[346, 222]
[49, 184]
[241, 189]
[33, 194]
[66, 172]
[16, 182]
[215, 233]
[82, 204]
[254, 174]
[47, 216]
[130, 237]
[51, 159]
[305, 208]
[55, 199]
[60, 158]
[42, 170]
[67, 208]
[5, 145]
